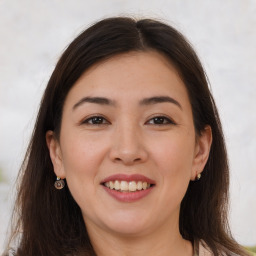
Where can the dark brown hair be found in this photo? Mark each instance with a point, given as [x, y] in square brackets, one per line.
[48, 221]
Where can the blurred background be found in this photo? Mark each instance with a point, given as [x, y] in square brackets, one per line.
[33, 34]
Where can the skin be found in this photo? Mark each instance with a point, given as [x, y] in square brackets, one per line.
[129, 141]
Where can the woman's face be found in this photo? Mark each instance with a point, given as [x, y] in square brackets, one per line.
[127, 144]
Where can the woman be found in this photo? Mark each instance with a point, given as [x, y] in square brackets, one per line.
[130, 133]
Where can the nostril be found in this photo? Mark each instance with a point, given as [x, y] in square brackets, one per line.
[128, 156]
[127, 160]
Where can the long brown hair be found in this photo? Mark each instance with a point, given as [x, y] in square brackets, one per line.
[48, 221]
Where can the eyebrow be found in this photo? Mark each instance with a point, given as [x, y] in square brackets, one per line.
[96, 100]
[143, 102]
[159, 99]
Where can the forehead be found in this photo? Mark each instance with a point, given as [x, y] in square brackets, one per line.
[130, 76]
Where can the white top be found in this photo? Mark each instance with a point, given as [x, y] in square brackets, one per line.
[201, 249]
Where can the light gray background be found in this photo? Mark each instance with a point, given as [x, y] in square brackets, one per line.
[34, 33]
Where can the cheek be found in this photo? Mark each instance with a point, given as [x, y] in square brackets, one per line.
[82, 158]
[173, 153]
[80, 154]
[174, 159]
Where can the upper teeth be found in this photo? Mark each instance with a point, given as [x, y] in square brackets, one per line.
[127, 186]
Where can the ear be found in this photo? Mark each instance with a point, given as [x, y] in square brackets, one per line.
[55, 154]
[202, 151]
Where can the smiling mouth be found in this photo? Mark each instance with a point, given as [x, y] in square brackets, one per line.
[127, 186]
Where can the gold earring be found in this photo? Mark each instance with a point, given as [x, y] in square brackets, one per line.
[198, 176]
[59, 184]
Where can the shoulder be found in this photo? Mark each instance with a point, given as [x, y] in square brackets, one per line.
[201, 249]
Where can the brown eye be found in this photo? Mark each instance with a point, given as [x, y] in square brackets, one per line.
[160, 120]
[95, 120]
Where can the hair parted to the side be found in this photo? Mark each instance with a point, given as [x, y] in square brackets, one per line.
[49, 221]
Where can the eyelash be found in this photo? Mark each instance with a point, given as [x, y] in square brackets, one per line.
[87, 121]
[91, 118]
[169, 121]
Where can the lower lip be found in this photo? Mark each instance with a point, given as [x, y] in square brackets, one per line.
[128, 196]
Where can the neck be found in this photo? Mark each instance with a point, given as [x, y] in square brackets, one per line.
[164, 241]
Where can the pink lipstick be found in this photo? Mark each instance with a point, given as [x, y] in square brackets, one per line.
[128, 188]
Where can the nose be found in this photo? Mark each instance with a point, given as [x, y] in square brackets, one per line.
[127, 145]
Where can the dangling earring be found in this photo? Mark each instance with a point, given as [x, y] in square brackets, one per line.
[59, 184]
[198, 176]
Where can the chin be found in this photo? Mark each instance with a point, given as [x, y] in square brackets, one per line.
[130, 230]
[128, 225]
